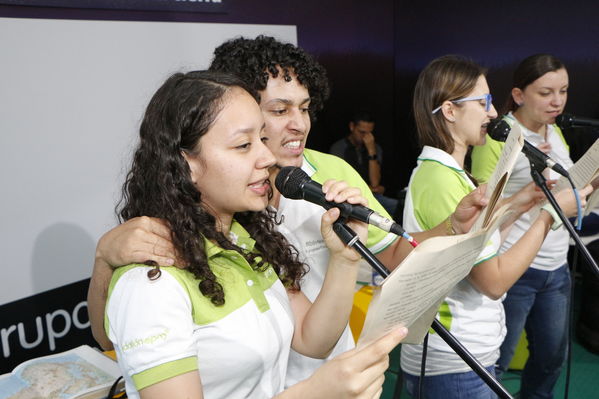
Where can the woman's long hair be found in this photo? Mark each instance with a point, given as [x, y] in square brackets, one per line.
[446, 78]
[529, 70]
[159, 183]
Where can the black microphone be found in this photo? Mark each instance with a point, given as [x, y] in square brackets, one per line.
[567, 120]
[499, 129]
[293, 183]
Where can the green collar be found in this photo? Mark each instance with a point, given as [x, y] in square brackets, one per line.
[308, 165]
[238, 235]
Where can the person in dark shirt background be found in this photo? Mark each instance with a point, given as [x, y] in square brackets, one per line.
[360, 150]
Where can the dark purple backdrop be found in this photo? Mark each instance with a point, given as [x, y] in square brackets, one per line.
[373, 52]
[497, 35]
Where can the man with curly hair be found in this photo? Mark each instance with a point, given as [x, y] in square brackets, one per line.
[292, 88]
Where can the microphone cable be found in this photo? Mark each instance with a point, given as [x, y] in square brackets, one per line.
[422, 367]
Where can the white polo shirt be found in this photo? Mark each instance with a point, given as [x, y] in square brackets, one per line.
[554, 251]
[437, 185]
[301, 227]
[166, 327]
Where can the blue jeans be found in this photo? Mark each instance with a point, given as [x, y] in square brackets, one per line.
[538, 303]
[467, 385]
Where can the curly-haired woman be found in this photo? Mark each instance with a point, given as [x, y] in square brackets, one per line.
[291, 88]
[223, 326]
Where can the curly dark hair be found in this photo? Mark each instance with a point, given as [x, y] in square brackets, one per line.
[159, 182]
[253, 60]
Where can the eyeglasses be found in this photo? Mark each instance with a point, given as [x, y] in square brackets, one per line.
[487, 97]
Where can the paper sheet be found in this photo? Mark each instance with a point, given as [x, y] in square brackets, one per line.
[498, 180]
[412, 293]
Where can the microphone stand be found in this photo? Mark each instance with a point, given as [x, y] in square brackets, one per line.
[351, 239]
[536, 170]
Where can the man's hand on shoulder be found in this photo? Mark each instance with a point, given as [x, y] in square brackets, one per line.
[137, 241]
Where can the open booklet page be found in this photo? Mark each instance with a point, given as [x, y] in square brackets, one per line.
[583, 172]
[497, 181]
[82, 373]
[592, 202]
[412, 293]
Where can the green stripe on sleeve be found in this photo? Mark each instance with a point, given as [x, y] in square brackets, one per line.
[484, 159]
[481, 260]
[164, 372]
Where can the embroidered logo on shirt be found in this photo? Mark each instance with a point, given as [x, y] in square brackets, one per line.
[151, 340]
[315, 245]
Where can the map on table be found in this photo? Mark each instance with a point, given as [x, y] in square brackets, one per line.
[67, 375]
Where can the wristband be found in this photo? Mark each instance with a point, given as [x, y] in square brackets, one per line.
[372, 157]
[449, 230]
[557, 222]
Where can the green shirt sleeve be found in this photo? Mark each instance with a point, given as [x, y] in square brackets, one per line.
[436, 190]
[484, 159]
[331, 167]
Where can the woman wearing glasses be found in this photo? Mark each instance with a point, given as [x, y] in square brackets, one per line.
[538, 301]
[452, 108]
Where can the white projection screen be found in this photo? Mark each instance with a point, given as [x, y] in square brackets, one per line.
[72, 94]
